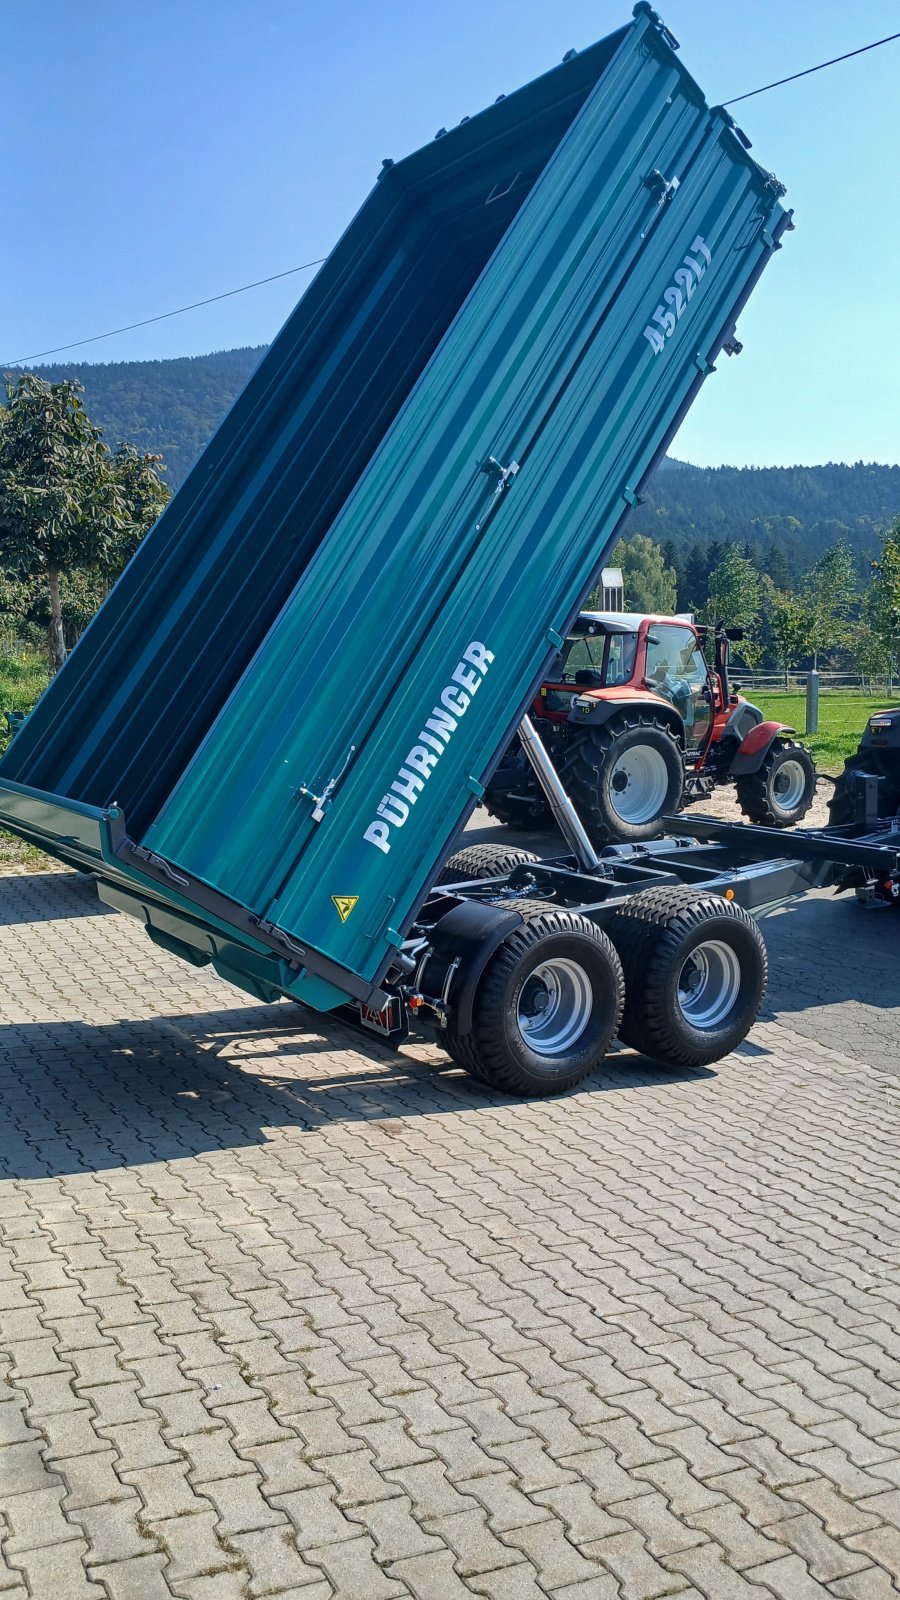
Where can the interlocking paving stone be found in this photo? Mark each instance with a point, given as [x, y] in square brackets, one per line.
[284, 1313]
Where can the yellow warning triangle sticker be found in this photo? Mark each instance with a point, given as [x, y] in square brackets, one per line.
[344, 904]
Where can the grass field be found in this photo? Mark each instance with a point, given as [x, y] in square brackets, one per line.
[22, 679]
[842, 718]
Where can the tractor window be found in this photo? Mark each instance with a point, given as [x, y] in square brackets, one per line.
[670, 652]
[676, 668]
[620, 659]
[697, 670]
[599, 660]
[582, 653]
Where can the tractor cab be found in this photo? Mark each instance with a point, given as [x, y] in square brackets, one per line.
[645, 657]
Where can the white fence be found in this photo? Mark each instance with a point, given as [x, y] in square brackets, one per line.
[795, 682]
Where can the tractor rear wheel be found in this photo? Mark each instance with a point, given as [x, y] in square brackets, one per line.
[482, 861]
[624, 778]
[547, 1006]
[695, 974]
[782, 789]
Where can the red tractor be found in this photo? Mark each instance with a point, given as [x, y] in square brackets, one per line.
[638, 724]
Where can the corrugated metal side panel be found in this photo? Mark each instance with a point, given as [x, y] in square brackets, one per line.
[146, 681]
[548, 363]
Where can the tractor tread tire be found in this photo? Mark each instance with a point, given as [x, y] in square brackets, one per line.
[484, 1051]
[592, 750]
[482, 861]
[753, 789]
[648, 933]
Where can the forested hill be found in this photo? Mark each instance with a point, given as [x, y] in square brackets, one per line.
[802, 510]
[169, 407]
[172, 407]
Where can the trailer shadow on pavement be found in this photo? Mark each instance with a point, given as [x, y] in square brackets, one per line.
[79, 1095]
[44, 902]
[167, 1087]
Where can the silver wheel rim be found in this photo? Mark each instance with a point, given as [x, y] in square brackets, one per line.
[638, 784]
[709, 984]
[554, 1006]
[789, 785]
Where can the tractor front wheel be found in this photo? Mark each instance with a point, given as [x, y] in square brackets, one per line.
[782, 789]
[624, 778]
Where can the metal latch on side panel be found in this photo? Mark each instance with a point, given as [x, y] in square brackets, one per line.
[665, 187]
[322, 801]
[631, 495]
[502, 476]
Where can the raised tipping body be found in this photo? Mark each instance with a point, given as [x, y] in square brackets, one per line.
[288, 706]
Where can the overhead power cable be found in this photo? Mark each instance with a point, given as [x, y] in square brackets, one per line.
[306, 265]
[875, 45]
[161, 317]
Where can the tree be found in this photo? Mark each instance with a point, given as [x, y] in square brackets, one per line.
[882, 605]
[145, 496]
[694, 592]
[649, 583]
[774, 564]
[786, 626]
[673, 557]
[829, 594]
[734, 598]
[67, 505]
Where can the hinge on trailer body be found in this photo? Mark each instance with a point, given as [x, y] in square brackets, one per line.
[644, 9]
[631, 495]
[160, 864]
[323, 801]
[295, 952]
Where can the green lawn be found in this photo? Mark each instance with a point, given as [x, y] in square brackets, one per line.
[22, 679]
[842, 718]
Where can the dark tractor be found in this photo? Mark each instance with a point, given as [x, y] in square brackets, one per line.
[638, 725]
[877, 760]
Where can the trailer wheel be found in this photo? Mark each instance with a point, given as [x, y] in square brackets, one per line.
[695, 974]
[624, 777]
[783, 788]
[547, 1006]
[482, 861]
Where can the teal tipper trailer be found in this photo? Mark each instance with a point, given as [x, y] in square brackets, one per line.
[288, 706]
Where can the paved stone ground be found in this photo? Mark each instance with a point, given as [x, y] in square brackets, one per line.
[280, 1316]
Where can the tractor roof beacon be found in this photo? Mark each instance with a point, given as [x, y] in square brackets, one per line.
[638, 724]
[417, 489]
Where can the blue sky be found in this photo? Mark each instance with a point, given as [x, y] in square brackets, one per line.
[155, 153]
